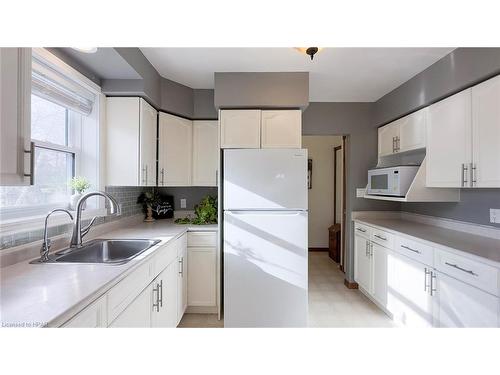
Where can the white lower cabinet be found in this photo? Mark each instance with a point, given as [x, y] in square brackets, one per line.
[461, 305]
[182, 280]
[164, 313]
[412, 301]
[425, 286]
[138, 313]
[362, 263]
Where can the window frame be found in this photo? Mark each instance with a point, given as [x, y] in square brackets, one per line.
[21, 219]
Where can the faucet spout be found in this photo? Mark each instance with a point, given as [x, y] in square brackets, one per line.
[78, 233]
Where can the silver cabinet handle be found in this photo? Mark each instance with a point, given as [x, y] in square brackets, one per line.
[432, 289]
[144, 175]
[398, 143]
[31, 151]
[361, 230]
[393, 144]
[371, 249]
[157, 304]
[162, 176]
[381, 237]
[366, 248]
[426, 273]
[464, 175]
[181, 266]
[473, 174]
[216, 178]
[409, 248]
[161, 293]
[470, 272]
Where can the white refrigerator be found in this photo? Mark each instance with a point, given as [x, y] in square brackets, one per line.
[265, 238]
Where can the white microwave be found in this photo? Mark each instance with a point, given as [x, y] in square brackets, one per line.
[393, 181]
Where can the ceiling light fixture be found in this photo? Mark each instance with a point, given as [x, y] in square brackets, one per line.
[85, 49]
[311, 51]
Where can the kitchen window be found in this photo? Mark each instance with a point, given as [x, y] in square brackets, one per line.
[65, 132]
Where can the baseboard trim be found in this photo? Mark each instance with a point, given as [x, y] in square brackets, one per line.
[318, 249]
[201, 310]
[350, 285]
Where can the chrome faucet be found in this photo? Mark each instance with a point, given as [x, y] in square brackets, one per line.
[44, 251]
[78, 232]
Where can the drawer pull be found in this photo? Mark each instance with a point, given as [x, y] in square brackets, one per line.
[361, 230]
[461, 269]
[381, 237]
[409, 248]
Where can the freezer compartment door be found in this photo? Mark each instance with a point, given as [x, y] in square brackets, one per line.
[265, 179]
[265, 269]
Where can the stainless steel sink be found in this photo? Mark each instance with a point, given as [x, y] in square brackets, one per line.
[104, 251]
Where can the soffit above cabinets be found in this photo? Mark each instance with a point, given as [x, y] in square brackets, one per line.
[335, 75]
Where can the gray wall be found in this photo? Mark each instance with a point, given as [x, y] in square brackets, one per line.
[262, 90]
[204, 106]
[460, 69]
[64, 56]
[355, 121]
[176, 98]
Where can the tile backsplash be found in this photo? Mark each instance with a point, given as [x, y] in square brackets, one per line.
[125, 195]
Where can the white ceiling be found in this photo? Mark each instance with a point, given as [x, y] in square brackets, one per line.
[336, 74]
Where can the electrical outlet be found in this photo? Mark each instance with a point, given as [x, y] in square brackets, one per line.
[183, 203]
[495, 215]
[360, 192]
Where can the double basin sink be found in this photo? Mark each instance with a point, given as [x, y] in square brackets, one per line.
[104, 251]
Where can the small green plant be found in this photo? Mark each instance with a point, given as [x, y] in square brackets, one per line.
[147, 198]
[205, 211]
[79, 184]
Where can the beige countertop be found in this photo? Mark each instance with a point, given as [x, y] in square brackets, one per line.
[472, 244]
[49, 294]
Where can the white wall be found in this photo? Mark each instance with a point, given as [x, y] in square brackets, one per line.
[321, 196]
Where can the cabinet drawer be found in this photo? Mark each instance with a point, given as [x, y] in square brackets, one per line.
[362, 230]
[93, 316]
[166, 255]
[200, 239]
[382, 238]
[127, 290]
[477, 274]
[415, 250]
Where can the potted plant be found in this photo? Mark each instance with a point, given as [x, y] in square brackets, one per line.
[205, 212]
[79, 184]
[147, 199]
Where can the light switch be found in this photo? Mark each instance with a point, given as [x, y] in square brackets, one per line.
[183, 203]
[360, 192]
[495, 215]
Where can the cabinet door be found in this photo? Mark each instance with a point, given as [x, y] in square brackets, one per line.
[15, 117]
[486, 133]
[182, 283]
[449, 127]
[362, 263]
[461, 305]
[412, 299]
[282, 129]
[93, 316]
[240, 128]
[205, 153]
[412, 130]
[387, 139]
[148, 116]
[138, 313]
[167, 284]
[380, 273]
[122, 142]
[202, 276]
[174, 149]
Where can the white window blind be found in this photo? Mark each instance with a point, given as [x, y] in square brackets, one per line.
[53, 86]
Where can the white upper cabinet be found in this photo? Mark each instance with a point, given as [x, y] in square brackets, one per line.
[486, 134]
[15, 117]
[130, 142]
[174, 151]
[405, 134]
[205, 153]
[282, 129]
[412, 131]
[449, 128]
[387, 139]
[147, 138]
[240, 128]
